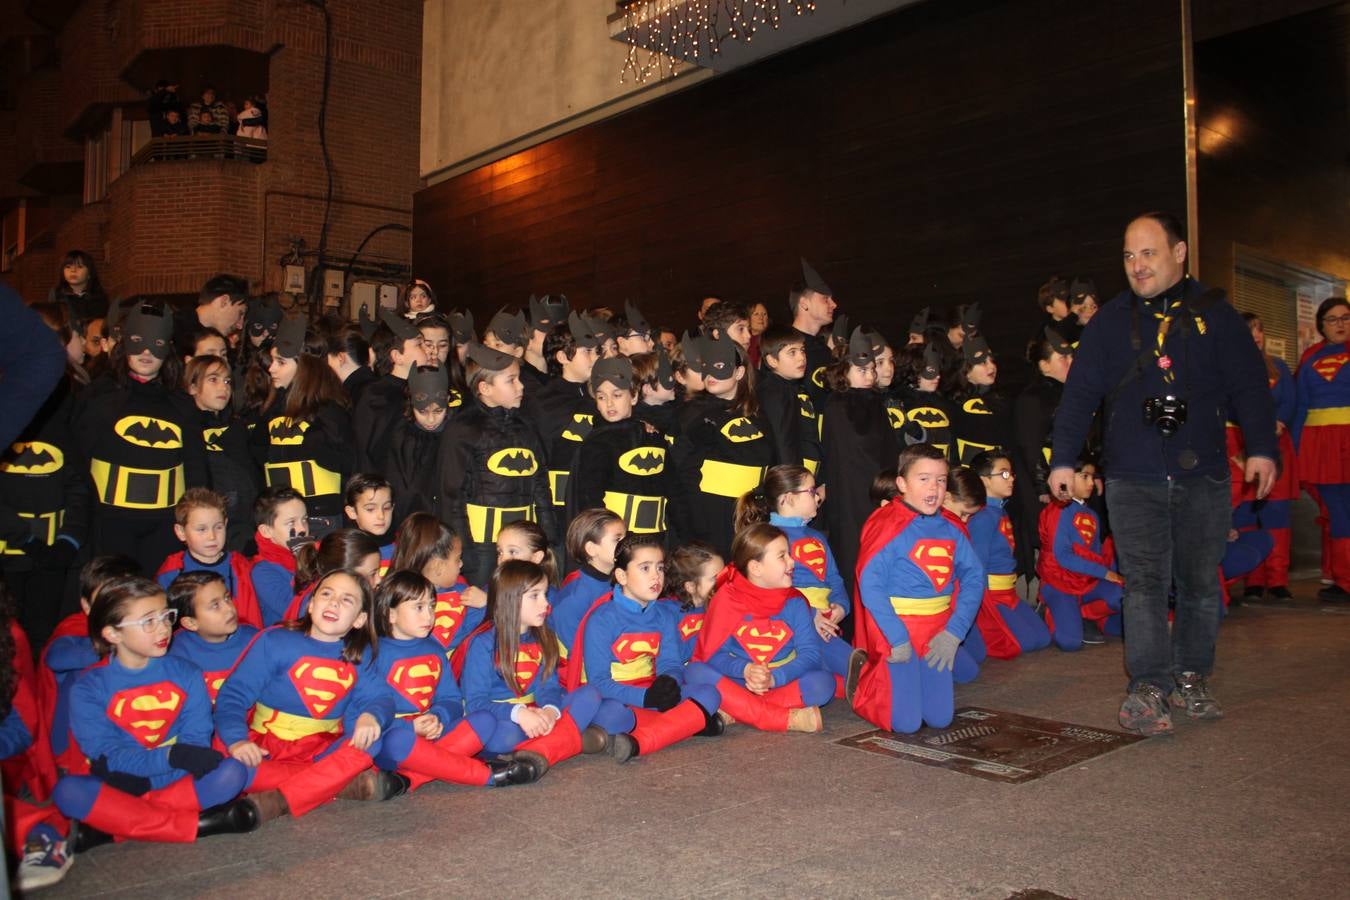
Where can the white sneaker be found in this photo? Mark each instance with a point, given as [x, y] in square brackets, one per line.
[46, 859]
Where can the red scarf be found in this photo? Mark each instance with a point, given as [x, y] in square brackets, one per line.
[735, 597]
[274, 553]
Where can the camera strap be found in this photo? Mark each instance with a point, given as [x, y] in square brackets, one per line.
[1144, 354]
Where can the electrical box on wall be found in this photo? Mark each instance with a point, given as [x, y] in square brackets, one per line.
[295, 280]
[334, 284]
[389, 296]
[364, 294]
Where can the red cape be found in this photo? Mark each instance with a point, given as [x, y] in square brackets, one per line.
[462, 651]
[575, 669]
[245, 600]
[734, 598]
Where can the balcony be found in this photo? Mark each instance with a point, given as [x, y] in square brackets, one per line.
[200, 146]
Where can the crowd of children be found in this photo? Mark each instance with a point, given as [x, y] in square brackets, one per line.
[474, 557]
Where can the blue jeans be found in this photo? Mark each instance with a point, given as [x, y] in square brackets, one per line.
[1169, 533]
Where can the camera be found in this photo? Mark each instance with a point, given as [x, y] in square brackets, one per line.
[1167, 414]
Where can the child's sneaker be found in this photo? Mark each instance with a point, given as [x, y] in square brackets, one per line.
[46, 858]
[1092, 633]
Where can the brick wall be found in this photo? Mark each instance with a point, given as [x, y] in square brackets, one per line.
[89, 76]
[158, 24]
[39, 137]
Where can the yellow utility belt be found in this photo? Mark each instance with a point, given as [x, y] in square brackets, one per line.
[53, 520]
[1335, 415]
[920, 606]
[486, 521]
[640, 669]
[288, 726]
[729, 479]
[818, 597]
[557, 486]
[527, 698]
[132, 488]
[784, 661]
[811, 465]
[641, 515]
[1002, 582]
[306, 476]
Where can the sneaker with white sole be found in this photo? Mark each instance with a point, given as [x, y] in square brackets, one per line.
[1145, 711]
[1192, 695]
[46, 859]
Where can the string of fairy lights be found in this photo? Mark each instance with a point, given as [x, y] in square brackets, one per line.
[665, 35]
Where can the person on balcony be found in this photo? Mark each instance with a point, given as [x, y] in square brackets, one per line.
[208, 115]
[163, 101]
[252, 123]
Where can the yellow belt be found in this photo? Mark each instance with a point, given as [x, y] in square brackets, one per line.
[557, 486]
[54, 521]
[638, 669]
[132, 488]
[811, 465]
[486, 521]
[288, 726]
[784, 661]
[306, 476]
[641, 515]
[527, 698]
[964, 446]
[1335, 415]
[1002, 582]
[818, 597]
[729, 479]
[920, 606]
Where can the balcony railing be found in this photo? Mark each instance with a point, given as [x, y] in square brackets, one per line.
[172, 148]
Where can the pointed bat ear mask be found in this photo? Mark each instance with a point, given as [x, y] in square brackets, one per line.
[877, 342]
[839, 330]
[719, 357]
[462, 326]
[1080, 288]
[976, 350]
[403, 329]
[264, 315]
[290, 338]
[1057, 342]
[636, 323]
[932, 363]
[812, 280]
[582, 330]
[509, 328]
[919, 324]
[487, 358]
[665, 375]
[617, 371]
[860, 351]
[148, 328]
[970, 318]
[428, 386]
[548, 311]
[692, 347]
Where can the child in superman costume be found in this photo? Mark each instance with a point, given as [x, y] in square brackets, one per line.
[592, 537]
[430, 738]
[210, 635]
[304, 710]
[427, 546]
[691, 578]
[532, 719]
[760, 636]
[627, 647]
[911, 560]
[144, 721]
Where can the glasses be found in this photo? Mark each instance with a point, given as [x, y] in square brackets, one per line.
[1005, 474]
[1336, 320]
[812, 490]
[150, 624]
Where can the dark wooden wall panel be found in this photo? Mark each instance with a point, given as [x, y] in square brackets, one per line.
[958, 150]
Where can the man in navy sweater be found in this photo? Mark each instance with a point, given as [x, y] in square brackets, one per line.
[1167, 339]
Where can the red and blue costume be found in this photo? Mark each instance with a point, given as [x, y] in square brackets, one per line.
[689, 621]
[578, 593]
[273, 580]
[1073, 567]
[233, 567]
[128, 722]
[68, 653]
[455, 620]
[816, 575]
[26, 758]
[485, 690]
[747, 624]
[1008, 625]
[295, 697]
[1321, 435]
[1273, 513]
[416, 675]
[621, 648]
[216, 659]
[909, 567]
[387, 552]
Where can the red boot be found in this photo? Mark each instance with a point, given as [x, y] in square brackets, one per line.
[563, 742]
[323, 779]
[144, 819]
[655, 730]
[751, 709]
[433, 761]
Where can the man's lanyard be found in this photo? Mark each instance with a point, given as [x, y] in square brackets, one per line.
[1164, 361]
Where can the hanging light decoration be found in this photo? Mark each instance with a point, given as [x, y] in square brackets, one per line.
[665, 35]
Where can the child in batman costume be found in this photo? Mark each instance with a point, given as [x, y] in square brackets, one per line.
[908, 629]
[430, 739]
[920, 371]
[428, 547]
[627, 648]
[724, 447]
[546, 314]
[621, 465]
[415, 444]
[1014, 628]
[143, 441]
[144, 720]
[491, 463]
[399, 349]
[234, 475]
[562, 409]
[691, 578]
[304, 709]
[511, 671]
[981, 418]
[784, 400]
[305, 438]
[759, 634]
[857, 443]
[210, 635]
[788, 500]
[1034, 414]
[1078, 577]
[655, 378]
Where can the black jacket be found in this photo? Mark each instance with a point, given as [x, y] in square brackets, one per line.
[374, 417]
[412, 465]
[321, 445]
[858, 443]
